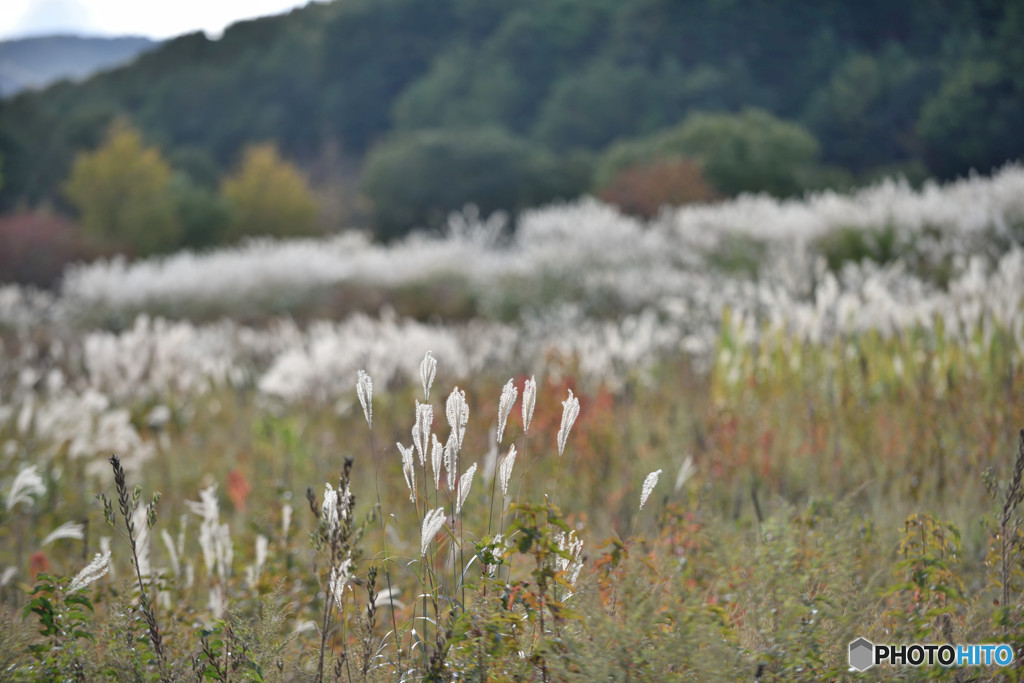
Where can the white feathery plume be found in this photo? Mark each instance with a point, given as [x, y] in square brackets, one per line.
[338, 580]
[72, 530]
[409, 470]
[436, 458]
[508, 399]
[329, 508]
[573, 547]
[364, 388]
[490, 462]
[421, 429]
[172, 552]
[225, 551]
[6, 575]
[570, 411]
[465, 482]
[529, 400]
[457, 411]
[92, 572]
[27, 483]
[386, 598]
[286, 520]
[685, 472]
[253, 571]
[432, 523]
[649, 483]
[428, 368]
[505, 471]
[105, 549]
[212, 536]
[451, 450]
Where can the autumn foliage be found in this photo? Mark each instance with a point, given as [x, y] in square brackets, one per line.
[644, 188]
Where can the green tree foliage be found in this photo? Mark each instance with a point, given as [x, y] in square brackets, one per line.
[972, 122]
[268, 196]
[865, 116]
[748, 152]
[416, 180]
[122, 194]
[593, 108]
[879, 84]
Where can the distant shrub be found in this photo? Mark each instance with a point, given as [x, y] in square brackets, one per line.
[752, 151]
[268, 196]
[643, 189]
[35, 246]
[417, 180]
[122, 193]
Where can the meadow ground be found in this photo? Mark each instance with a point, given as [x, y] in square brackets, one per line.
[828, 391]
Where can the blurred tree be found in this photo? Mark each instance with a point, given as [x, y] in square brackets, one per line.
[204, 215]
[121, 192]
[597, 105]
[752, 151]
[416, 180]
[865, 115]
[971, 123]
[268, 196]
[458, 91]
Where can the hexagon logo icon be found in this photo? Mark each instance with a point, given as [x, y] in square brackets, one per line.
[862, 654]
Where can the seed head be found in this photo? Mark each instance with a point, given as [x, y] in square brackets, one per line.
[465, 482]
[428, 368]
[649, 483]
[409, 470]
[505, 470]
[529, 399]
[570, 411]
[432, 523]
[364, 388]
[508, 399]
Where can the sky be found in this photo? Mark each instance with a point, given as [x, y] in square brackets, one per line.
[152, 18]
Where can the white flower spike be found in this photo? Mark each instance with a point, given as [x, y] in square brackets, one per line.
[508, 399]
[649, 483]
[570, 411]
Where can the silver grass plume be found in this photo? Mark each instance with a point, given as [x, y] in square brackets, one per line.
[421, 429]
[508, 399]
[529, 400]
[457, 411]
[451, 450]
[71, 530]
[465, 482]
[409, 470]
[649, 483]
[428, 368]
[432, 523]
[6, 575]
[572, 546]
[436, 458]
[172, 552]
[338, 580]
[685, 472]
[570, 411]
[92, 572]
[505, 470]
[26, 484]
[364, 388]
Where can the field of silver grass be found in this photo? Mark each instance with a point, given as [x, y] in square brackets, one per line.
[144, 361]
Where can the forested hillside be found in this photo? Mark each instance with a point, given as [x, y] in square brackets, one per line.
[554, 98]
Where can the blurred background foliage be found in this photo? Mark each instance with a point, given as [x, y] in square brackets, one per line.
[400, 112]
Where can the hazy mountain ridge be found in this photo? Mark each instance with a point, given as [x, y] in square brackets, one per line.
[28, 63]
